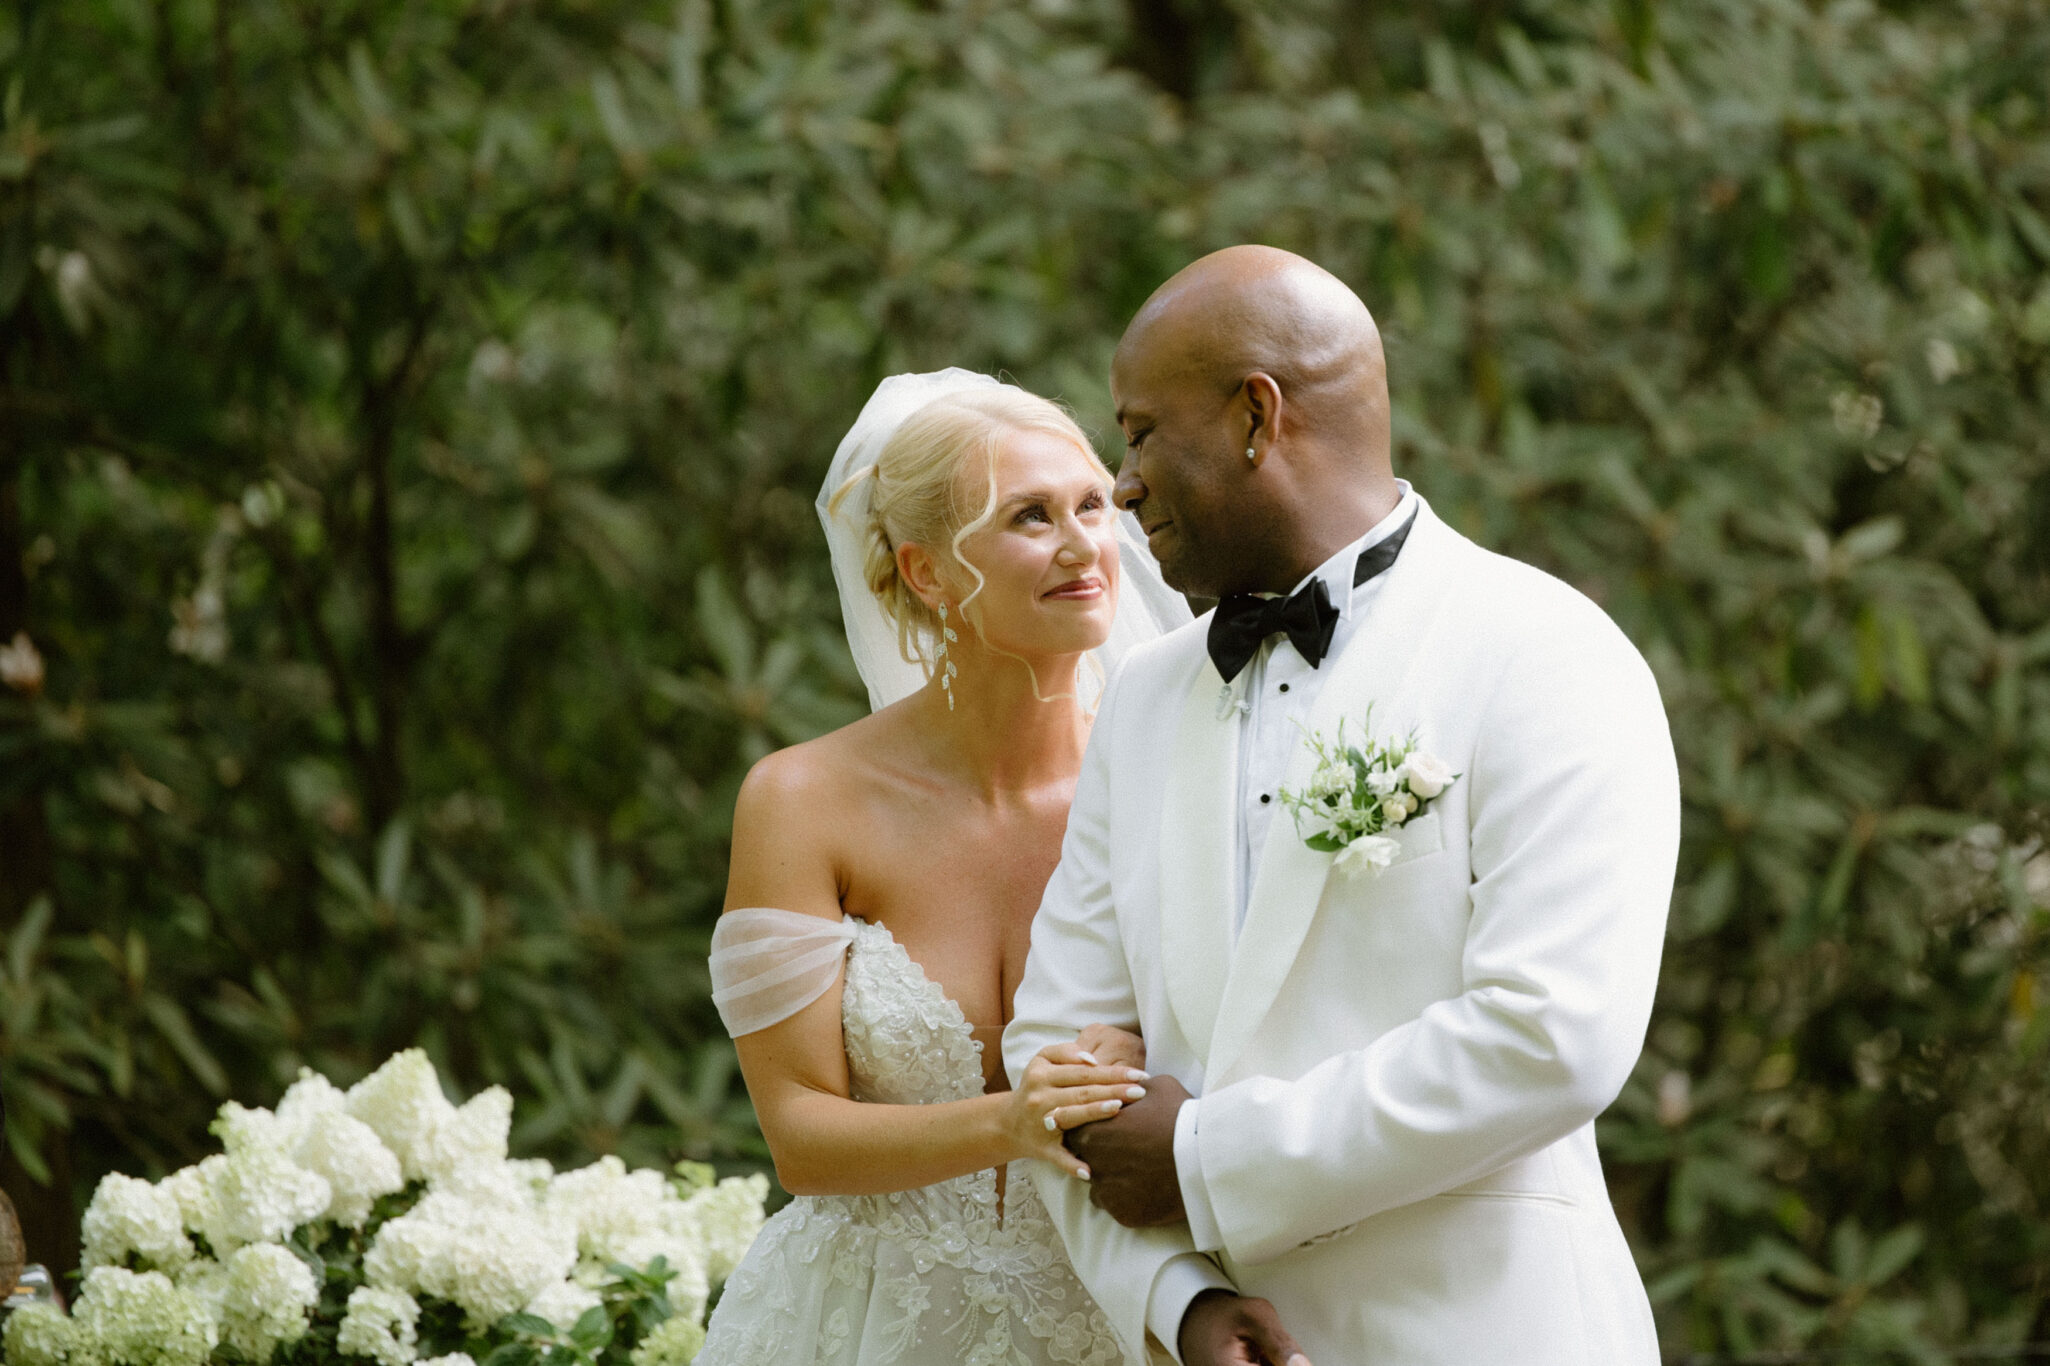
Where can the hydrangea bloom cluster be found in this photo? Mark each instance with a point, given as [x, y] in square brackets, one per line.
[394, 1200]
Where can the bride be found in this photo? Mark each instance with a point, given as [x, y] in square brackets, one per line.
[883, 883]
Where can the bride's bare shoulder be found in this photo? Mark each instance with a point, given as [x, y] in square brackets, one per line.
[830, 776]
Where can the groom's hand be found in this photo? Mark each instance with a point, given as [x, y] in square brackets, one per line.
[1130, 1157]
[1223, 1329]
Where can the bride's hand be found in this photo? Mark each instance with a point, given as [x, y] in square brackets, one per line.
[1064, 1086]
[1113, 1047]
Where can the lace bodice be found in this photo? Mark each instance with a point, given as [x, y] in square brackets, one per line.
[907, 1042]
[937, 1276]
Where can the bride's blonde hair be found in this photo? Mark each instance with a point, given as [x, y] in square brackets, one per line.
[917, 494]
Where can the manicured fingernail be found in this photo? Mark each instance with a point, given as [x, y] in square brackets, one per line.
[1298, 1360]
[1135, 1093]
[1134, 1074]
[1111, 1107]
[1052, 1123]
[1089, 1058]
[1082, 1174]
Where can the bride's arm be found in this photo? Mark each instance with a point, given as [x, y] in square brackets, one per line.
[823, 1142]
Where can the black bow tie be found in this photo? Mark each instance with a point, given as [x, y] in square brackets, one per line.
[1243, 621]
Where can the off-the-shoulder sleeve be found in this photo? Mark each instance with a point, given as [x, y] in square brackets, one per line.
[768, 964]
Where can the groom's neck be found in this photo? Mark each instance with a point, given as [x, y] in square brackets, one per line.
[1317, 528]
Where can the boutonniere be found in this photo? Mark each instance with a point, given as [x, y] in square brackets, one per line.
[1360, 793]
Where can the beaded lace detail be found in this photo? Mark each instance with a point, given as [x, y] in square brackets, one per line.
[928, 1277]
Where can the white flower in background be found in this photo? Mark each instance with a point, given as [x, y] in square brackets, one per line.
[21, 664]
[726, 1218]
[608, 1206]
[130, 1217]
[1374, 852]
[255, 1193]
[306, 1100]
[673, 1343]
[563, 1303]
[1426, 774]
[125, 1318]
[402, 1101]
[192, 1187]
[38, 1334]
[356, 1165]
[467, 1138]
[633, 1217]
[452, 1359]
[381, 1324]
[267, 1299]
[489, 1258]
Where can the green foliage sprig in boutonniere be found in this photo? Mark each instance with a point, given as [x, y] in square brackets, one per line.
[1359, 793]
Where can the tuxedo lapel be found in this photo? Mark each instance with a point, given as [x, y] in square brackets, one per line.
[1197, 838]
[1290, 883]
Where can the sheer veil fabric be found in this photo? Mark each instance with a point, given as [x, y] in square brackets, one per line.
[1147, 607]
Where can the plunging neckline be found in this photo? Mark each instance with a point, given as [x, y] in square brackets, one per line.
[997, 1177]
[932, 989]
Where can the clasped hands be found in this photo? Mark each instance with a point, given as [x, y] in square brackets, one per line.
[1128, 1160]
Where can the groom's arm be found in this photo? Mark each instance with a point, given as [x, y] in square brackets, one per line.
[1077, 975]
[1574, 806]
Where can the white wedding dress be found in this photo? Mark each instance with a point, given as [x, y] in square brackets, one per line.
[936, 1276]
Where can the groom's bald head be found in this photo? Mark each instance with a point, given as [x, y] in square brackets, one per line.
[1252, 348]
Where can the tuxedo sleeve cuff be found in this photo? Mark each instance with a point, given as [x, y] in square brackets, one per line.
[1180, 1279]
[1188, 1167]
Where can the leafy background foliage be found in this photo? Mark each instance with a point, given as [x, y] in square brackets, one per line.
[409, 414]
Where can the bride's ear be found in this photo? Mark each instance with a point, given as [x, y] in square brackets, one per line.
[915, 565]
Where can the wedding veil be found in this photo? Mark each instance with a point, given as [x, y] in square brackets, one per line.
[1147, 607]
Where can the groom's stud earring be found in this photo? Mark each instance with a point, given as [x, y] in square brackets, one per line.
[946, 666]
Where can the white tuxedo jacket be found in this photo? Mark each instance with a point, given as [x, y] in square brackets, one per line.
[1398, 1073]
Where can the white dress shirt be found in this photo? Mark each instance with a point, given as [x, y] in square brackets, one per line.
[1275, 693]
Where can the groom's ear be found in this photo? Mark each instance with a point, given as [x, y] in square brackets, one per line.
[1259, 399]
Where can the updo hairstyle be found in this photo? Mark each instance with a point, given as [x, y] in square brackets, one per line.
[918, 495]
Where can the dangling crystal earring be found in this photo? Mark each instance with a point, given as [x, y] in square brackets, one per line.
[946, 666]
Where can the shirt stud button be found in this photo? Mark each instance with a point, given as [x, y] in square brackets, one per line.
[1264, 799]
[1284, 687]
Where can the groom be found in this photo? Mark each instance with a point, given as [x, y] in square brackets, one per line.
[1371, 1118]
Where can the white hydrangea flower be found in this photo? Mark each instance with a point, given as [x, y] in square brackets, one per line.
[192, 1187]
[269, 1294]
[38, 1334]
[128, 1318]
[130, 1217]
[726, 1218]
[381, 1324]
[469, 1137]
[452, 1359]
[489, 1256]
[402, 1101]
[609, 1206]
[206, 1281]
[306, 1100]
[563, 1303]
[259, 1195]
[356, 1165]
[674, 1342]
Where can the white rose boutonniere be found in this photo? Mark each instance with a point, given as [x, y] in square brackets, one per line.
[1360, 793]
